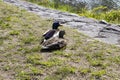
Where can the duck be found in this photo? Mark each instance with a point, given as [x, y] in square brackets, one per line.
[56, 38]
[57, 42]
[49, 33]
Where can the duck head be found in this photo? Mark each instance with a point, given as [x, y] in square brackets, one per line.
[56, 25]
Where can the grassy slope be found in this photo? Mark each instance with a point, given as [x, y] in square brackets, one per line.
[21, 59]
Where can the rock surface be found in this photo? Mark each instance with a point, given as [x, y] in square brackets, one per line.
[100, 30]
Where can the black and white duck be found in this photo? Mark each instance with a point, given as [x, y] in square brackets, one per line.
[54, 39]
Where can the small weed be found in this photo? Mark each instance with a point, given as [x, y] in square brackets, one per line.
[33, 58]
[8, 18]
[22, 75]
[89, 57]
[67, 55]
[25, 50]
[54, 77]
[6, 68]
[73, 47]
[115, 59]
[14, 32]
[98, 74]
[7, 54]
[61, 73]
[4, 24]
[65, 70]
[84, 71]
[61, 53]
[28, 40]
[4, 38]
[98, 55]
[36, 48]
[35, 71]
[58, 52]
[96, 62]
[52, 62]
[76, 60]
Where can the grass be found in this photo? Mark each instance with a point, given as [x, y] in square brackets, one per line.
[21, 58]
[111, 16]
[84, 71]
[61, 73]
[14, 32]
[100, 12]
[98, 74]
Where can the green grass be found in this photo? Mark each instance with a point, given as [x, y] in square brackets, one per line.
[21, 58]
[14, 32]
[98, 74]
[61, 73]
[100, 13]
[111, 16]
[84, 71]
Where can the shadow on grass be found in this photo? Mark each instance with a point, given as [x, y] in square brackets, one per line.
[48, 50]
